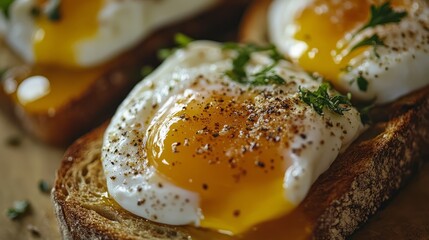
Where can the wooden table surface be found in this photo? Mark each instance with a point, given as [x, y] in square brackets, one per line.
[23, 166]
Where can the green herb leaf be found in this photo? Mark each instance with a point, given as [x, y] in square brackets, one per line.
[14, 141]
[238, 72]
[320, 99]
[2, 72]
[146, 70]
[374, 41]
[164, 53]
[181, 40]
[362, 83]
[44, 187]
[268, 79]
[251, 48]
[267, 76]
[383, 14]
[244, 52]
[4, 6]
[19, 209]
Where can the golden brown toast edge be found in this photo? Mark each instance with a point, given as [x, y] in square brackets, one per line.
[369, 172]
[341, 199]
[99, 101]
[253, 27]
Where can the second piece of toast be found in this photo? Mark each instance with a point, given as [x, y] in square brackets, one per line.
[82, 99]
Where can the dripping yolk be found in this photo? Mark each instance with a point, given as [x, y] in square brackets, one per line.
[216, 147]
[55, 40]
[324, 30]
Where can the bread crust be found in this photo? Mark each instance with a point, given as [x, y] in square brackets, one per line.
[351, 190]
[253, 28]
[372, 168]
[100, 99]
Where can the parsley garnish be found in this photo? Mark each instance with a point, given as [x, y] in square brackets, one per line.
[19, 209]
[320, 99]
[4, 6]
[181, 40]
[14, 141]
[362, 83]
[382, 15]
[374, 40]
[44, 187]
[267, 76]
[164, 53]
[244, 52]
[2, 72]
[146, 70]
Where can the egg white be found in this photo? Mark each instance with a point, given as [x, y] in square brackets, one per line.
[401, 67]
[122, 24]
[129, 177]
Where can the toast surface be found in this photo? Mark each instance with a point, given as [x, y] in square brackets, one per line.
[77, 113]
[386, 158]
[353, 188]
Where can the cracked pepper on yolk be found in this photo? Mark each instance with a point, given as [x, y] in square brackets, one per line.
[214, 147]
[325, 28]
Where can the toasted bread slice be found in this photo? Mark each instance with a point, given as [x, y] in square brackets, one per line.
[84, 100]
[353, 188]
[253, 27]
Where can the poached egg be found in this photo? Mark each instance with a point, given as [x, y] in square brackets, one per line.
[72, 33]
[191, 146]
[324, 36]
[66, 46]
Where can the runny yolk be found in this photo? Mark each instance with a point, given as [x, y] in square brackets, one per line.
[54, 46]
[62, 86]
[325, 29]
[213, 146]
[55, 40]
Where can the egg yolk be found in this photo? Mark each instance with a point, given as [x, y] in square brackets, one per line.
[62, 85]
[218, 147]
[54, 43]
[324, 30]
[59, 31]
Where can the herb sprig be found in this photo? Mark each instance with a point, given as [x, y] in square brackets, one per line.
[244, 51]
[44, 187]
[146, 71]
[380, 15]
[19, 209]
[320, 99]
[181, 40]
[267, 76]
[4, 6]
[374, 41]
[2, 73]
[362, 83]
